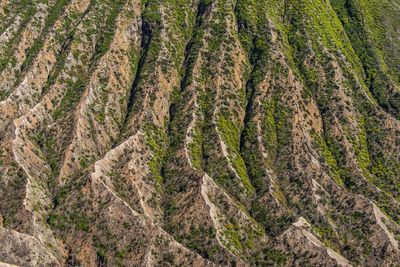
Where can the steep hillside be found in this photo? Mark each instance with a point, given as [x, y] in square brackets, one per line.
[200, 132]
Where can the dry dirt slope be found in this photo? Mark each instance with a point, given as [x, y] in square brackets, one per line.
[200, 132]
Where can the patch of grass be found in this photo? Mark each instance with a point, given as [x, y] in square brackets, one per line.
[366, 23]
[233, 236]
[360, 146]
[156, 140]
[151, 11]
[195, 147]
[231, 135]
[276, 257]
[328, 158]
[254, 162]
[71, 97]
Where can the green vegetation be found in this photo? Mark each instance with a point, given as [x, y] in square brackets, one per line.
[80, 222]
[151, 11]
[71, 98]
[2, 156]
[233, 237]
[231, 134]
[51, 18]
[277, 95]
[276, 257]
[366, 23]
[49, 152]
[243, 237]
[327, 234]
[385, 173]
[253, 16]
[270, 127]
[323, 28]
[120, 255]
[107, 33]
[155, 138]
[75, 88]
[195, 148]
[26, 10]
[361, 147]
[328, 158]
[201, 241]
[254, 163]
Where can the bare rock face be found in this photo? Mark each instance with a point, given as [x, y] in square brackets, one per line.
[199, 133]
[22, 249]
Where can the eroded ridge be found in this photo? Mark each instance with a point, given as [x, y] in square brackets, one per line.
[199, 133]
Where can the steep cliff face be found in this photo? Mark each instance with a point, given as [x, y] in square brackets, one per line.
[200, 132]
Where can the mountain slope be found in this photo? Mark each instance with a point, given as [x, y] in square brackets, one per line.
[199, 133]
